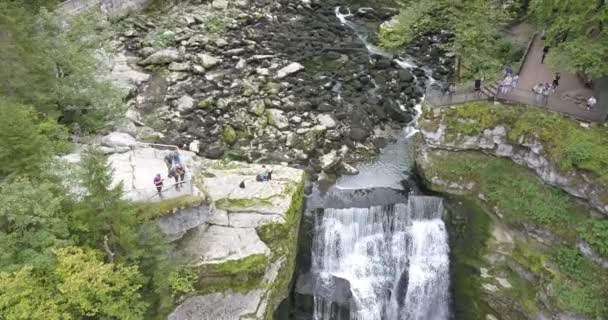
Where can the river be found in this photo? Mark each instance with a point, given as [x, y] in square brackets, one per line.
[378, 248]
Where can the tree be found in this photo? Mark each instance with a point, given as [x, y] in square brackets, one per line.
[576, 34]
[81, 287]
[32, 221]
[51, 67]
[24, 149]
[108, 222]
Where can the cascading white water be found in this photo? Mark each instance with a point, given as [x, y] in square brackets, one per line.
[394, 257]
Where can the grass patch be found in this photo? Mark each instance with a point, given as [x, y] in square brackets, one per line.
[568, 145]
[240, 276]
[155, 210]
[520, 196]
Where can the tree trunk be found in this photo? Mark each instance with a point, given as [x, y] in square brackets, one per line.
[106, 247]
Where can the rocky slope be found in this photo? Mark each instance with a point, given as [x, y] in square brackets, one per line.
[527, 151]
[266, 81]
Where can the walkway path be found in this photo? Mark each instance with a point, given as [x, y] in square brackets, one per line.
[571, 89]
[569, 99]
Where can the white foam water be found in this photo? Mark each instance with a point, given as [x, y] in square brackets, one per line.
[395, 258]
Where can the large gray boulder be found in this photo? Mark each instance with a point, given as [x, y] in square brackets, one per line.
[118, 140]
[165, 56]
[289, 69]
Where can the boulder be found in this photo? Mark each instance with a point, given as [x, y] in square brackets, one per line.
[406, 76]
[184, 104]
[207, 61]
[330, 161]
[219, 4]
[327, 121]
[358, 134]
[215, 150]
[277, 119]
[194, 146]
[347, 169]
[118, 140]
[289, 69]
[179, 66]
[165, 56]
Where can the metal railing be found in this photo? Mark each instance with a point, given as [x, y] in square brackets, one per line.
[438, 97]
[182, 187]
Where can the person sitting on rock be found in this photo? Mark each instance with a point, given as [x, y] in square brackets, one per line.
[265, 176]
[158, 182]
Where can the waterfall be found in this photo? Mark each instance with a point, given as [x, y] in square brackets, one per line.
[394, 257]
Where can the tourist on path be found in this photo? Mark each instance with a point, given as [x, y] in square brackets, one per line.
[545, 52]
[545, 92]
[591, 102]
[506, 85]
[555, 83]
[180, 174]
[158, 182]
[514, 82]
[538, 90]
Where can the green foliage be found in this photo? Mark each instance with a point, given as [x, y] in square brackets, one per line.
[32, 222]
[160, 39]
[586, 43]
[414, 18]
[581, 286]
[182, 281]
[81, 287]
[102, 213]
[478, 44]
[24, 149]
[516, 193]
[595, 232]
[52, 67]
[568, 145]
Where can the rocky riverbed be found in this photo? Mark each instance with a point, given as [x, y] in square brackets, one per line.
[269, 81]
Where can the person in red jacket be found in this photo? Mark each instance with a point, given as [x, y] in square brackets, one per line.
[158, 182]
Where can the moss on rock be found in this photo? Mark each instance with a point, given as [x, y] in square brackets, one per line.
[282, 239]
[229, 134]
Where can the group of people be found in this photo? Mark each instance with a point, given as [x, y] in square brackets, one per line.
[175, 169]
[544, 89]
[509, 82]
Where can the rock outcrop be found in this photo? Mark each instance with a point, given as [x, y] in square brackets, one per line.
[243, 245]
[527, 151]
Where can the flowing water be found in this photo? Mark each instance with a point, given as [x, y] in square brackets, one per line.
[394, 257]
[387, 261]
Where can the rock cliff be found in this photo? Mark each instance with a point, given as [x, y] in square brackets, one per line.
[527, 151]
[242, 246]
